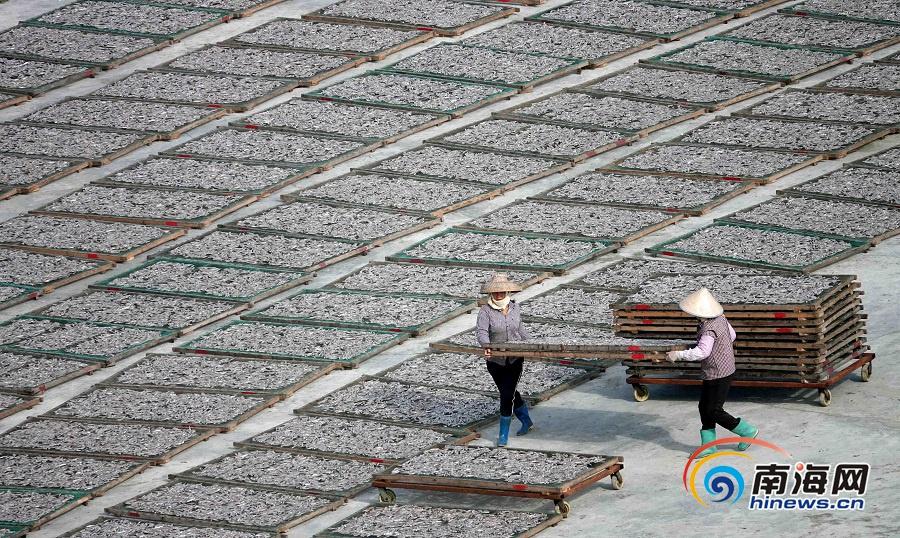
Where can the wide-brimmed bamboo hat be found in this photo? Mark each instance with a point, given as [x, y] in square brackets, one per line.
[498, 283]
[702, 304]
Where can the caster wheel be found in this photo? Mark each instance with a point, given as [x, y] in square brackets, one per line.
[865, 373]
[824, 397]
[641, 393]
[563, 507]
[387, 496]
[617, 480]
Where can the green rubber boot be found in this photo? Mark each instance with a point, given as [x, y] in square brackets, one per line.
[745, 429]
[707, 436]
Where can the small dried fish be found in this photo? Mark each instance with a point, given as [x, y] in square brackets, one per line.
[415, 12]
[143, 203]
[78, 234]
[832, 106]
[699, 88]
[628, 15]
[543, 139]
[847, 219]
[298, 34]
[190, 88]
[125, 17]
[415, 278]
[31, 471]
[712, 161]
[554, 40]
[258, 62]
[741, 57]
[858, 183]
[413, 521]
[479, 64]
[71, 45]
[66, 143]
[465, 165]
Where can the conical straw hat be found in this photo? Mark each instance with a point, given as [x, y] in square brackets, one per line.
[499, 282]
[702, 304]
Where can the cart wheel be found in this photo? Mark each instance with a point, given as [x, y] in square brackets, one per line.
[617, 480]
[641, 393]
[387, 496]
[865, 373]
[824, 397]
[562, 507]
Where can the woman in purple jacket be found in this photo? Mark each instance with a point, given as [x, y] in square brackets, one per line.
[500, 320]
[715, 352]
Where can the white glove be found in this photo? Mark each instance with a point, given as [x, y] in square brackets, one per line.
[672, 356]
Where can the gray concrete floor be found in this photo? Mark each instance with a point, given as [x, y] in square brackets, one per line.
[655, 437]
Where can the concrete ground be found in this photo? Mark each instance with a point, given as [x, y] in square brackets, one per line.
[654, 437]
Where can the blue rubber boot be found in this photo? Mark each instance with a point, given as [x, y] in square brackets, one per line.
[522, 414]
[707, 436]
[745, 429]
[503, 438]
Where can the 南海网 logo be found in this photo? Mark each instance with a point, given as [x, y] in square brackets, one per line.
[721, 482]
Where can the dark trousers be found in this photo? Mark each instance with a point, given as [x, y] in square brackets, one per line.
[712, 402]
[506, 377]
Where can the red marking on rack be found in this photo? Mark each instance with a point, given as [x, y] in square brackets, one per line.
[647, 321]
[425, 29]
[376, 460]
[621, 142]
[213, 105]
[667, 253]
[34, 295]
[201, 352]
[637, 356]
[247, 392]
[520, 487]
[416, 260]
[784, 330]
[184, 155]
[779, 315]
[642, 306]
[108, 288]
[731, 178]
[634, 348]
[250, 126]
[565, 363]
[93, 255]
[171, 223]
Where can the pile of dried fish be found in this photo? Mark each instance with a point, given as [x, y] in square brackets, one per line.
[8, 400]
[878, 77]
[352, 437]
[27, 506]
[464, 165]
[122, 404]
[116, 528]
[779, 134]
[142, 203]
[127, 17]
[479, 64]
[208, 371]
[390, 311]
[293, 340]
[118, 114]
[74, 338]
[23, 470]
[887, 159]
[733, 5]
[394, 192]
[712, 161]
[766, 246]
[72, 45]
[869, 9]
[845, 219]
[554, 40]
[25, 170]
[629, 15]
[628, 274]
[297, 34]
[112, 439]
[833, 106]
[29, 372]
[644, 190]
[677, 85]
[576, 305]
[138, 309]
[197, 174]
[66, 143]
[410, 91]
[245, 61]
[543, 139]
[859, 183]
[736, 289]
[18, 74]
[412, 521]
[190, 88]
[815, 31]
[177, 277]
[415, 278]
[519, 466]
[508, 249]
[567, 219]
[272, 146]
[339, 119]
[468, 372]
[426, 406]
[259, 249]
[78, 234]
[313, 218]
[235, 5]
[603, 111]
[31, 269]
[294, 471]
[226, 504]
[749, 57]
[416, 12]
